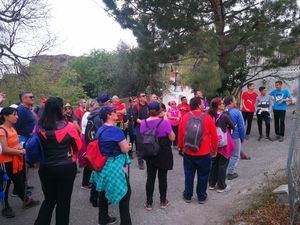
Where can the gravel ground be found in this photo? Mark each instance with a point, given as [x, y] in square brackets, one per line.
[267, 158]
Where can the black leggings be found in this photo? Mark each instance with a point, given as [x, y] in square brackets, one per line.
[57, 185]
[123, 207]
[279, 117]
[18, 181]
[248, 117]
[86, 176]
[175, 130]
[162, 181]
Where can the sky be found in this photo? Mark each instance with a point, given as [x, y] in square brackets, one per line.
[83, 25]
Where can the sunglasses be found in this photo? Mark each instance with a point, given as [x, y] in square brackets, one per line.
[143, 95]
[31, 97]
[68, 107]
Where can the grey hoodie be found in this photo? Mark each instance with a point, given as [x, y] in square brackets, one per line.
[264, 103]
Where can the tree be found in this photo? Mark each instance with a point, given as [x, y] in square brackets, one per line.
[242, 33]
[23, 33]
[44, 79]
[93, 71]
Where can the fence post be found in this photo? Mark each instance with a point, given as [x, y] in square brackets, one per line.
[293, 163]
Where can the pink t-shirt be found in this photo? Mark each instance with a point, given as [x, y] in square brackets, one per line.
[174, 113]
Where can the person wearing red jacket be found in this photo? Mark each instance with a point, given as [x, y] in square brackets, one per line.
[200, 160]
[183, 107]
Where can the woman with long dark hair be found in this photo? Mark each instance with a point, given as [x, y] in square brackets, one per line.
[12, 157]
[60, 142]
[220, 162]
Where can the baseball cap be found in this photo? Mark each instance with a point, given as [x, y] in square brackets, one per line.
[154, 106]
[103, 97]
[106, 110]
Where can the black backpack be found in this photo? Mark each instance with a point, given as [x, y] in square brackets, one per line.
[194, 132]
[91, 129]
[150, 145]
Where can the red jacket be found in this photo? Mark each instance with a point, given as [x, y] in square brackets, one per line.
[210, 142]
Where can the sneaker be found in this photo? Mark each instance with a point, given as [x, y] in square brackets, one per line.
[141, 166]
[86, 187]
[281, 139]
[244, 156]
[165, 204]
[110, 220]
[7, 212]
[277, 137]
[148, 206]
[211, 187]
[227, 189]
[30, 187]
[202, 201]
[14, 193]
[231, 176]
[269, 138]
[31, 203]
[186, 200]
[181, 153]
[247, 137]
[260, 137]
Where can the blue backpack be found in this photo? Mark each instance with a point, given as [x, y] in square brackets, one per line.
[34, 149]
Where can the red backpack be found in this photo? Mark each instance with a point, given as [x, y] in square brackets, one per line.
[93, 158]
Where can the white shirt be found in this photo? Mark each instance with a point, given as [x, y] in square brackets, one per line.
[84, 121]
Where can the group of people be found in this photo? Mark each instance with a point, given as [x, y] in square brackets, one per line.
[208, 137]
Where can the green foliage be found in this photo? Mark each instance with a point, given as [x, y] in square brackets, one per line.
[123, 72]
[40, 80]
[240, 34]
[94, 71]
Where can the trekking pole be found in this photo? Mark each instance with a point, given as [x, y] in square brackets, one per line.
[25, 182]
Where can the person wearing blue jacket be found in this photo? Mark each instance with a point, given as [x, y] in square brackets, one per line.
[238, 135]
[281, 97]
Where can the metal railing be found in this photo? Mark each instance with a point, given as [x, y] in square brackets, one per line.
[293, 164]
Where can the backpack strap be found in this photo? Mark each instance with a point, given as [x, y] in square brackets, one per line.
[5, 131]
[219, 117]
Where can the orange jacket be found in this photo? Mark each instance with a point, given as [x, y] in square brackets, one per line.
[210, 141]
[12, 140]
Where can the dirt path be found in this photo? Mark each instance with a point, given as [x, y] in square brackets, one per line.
[267, 157]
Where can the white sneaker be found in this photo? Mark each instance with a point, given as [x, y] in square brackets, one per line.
[227, 189]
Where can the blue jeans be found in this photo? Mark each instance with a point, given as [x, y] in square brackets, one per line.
[233, 161]
[202, 165]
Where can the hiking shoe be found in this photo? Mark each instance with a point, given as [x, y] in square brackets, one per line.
[281, 139]
[31, 203]
[7, 212]
[202, 201]
[180, 153]
[260, 137]
[165, 204]
[244, 156]
[29, 187]
[277, 137]
[227, 189]
[269, 138]
[231, 176]
[86, 187]
[186, 200]
[211, 187]
[247, 137]
[148, 206]
[110, 220]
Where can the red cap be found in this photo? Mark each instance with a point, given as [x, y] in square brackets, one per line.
[43, 100]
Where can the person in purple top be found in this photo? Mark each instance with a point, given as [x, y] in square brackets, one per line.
[163, 161]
